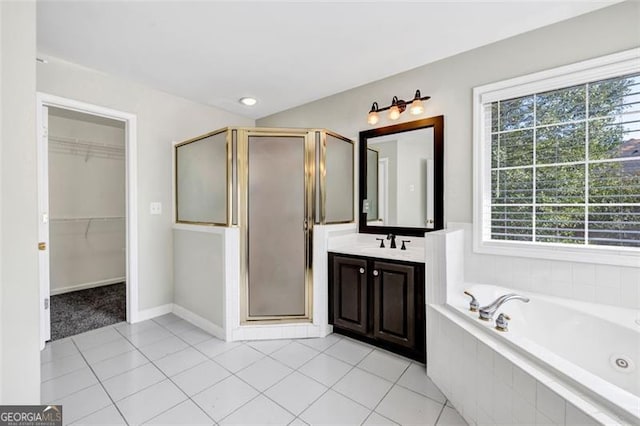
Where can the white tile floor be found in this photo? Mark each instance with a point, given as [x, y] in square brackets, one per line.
[166, 371]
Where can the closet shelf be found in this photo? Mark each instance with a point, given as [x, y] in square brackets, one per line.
[84, 219]
[89, 220]
[86, 148]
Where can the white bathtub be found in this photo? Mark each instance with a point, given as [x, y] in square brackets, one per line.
[576, 341]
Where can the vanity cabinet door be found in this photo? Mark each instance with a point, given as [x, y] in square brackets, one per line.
[350, 301]
[394, 303]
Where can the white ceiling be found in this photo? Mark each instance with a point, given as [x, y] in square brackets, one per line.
[283, 53]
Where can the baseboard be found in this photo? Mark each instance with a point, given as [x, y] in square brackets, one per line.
[84, 286]
[153, 312]
[198, 321]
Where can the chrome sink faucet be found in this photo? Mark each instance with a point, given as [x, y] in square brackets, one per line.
[487, 312]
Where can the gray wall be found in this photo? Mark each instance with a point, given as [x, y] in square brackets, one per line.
[19, 300]
[198, 259]
[162, 118]
[449, 82]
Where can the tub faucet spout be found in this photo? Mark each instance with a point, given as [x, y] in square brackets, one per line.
[486, 312]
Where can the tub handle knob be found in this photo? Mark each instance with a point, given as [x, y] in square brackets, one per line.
[473, 304]
[502, 322]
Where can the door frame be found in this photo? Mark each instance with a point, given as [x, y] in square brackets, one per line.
[131, 193]
[383, 189]
[308, 140]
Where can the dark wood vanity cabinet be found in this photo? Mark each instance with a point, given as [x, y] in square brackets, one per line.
[378, 301]
[351, 294]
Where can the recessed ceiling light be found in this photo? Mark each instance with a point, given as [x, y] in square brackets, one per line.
[248, 101]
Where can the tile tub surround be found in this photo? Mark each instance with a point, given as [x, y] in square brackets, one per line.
[606, 284]
[156, 372]
[453, 340]
[489, 384]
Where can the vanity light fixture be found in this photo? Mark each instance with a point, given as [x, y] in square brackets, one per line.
[248, 101]
[397, 107]
[373, 114]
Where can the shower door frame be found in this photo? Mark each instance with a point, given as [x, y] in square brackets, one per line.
[243, 219]
[229, 176]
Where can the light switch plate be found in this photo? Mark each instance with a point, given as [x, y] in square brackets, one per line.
[155, 208]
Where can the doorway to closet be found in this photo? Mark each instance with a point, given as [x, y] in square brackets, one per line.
[85, 214]
[87, 253]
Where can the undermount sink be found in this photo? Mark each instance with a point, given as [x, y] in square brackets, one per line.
[389, 252]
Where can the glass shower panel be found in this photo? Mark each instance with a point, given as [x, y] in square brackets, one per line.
[276, 226]
[339, 180]
[201, 180]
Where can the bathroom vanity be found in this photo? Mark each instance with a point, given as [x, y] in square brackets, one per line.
[379, 301]
[376, 284]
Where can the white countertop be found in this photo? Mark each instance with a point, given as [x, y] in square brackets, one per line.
[367, 245]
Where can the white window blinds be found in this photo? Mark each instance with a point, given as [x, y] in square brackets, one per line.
[565, 165]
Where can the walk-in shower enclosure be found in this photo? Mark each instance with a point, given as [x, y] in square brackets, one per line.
[274, 185]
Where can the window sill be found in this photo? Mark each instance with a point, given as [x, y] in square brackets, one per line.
[600, 255]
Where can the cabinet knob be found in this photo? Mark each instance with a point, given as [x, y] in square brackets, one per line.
[375, 273]
[362, 270]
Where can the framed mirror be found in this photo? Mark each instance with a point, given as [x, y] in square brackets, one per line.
[401, 178]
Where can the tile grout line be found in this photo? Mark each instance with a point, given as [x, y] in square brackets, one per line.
[79, 352]
[87, 365]
[320, 352]
[386, 393]
[353, 366]
[102, 386]
[167, 378]
[395, 383]
[209, 358]
[263, 393]
[440, 414]
[62, 375]
[293, 370]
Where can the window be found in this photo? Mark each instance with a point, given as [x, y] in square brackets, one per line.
[559, 164]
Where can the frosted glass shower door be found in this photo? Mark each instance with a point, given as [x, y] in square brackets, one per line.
[277, 232]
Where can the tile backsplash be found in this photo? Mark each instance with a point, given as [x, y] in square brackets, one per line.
[611, 285]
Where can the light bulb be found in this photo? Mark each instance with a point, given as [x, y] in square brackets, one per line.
[394, 113]
[416, 107]
[373, 118]
[248, 101]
